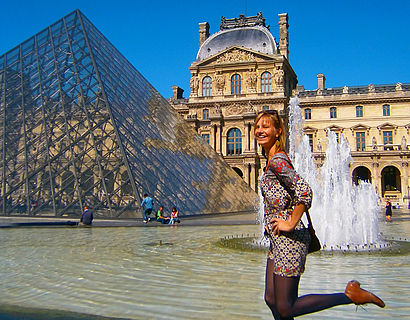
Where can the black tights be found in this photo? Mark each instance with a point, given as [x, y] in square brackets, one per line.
[281, 295]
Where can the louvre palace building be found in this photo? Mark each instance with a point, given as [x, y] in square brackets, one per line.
[243, 69]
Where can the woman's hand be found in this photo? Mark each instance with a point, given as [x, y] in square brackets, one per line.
[279, 225]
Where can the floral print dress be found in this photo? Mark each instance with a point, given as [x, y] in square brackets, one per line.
[282, 189]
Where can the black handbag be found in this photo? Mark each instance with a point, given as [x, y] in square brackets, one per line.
[314, 240]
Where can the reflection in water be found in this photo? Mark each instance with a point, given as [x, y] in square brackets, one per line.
[174, 273]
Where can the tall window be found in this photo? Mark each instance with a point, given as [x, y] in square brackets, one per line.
[360, 141]
[391, 183]
[308, 114]
[206, 137]
[266, 82]
[234, 142]
[205, 114]
[310, 137]
[359, 111]
[388, 140]
[386, 110]
[207, 86]
[236, 84]
[333, 113]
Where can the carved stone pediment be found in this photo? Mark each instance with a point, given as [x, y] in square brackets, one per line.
[308, 129]
[235, 55]
[334, 128]
[387, 126]
[360, 127]
[235, 109]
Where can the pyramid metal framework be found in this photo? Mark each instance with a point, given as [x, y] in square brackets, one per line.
[79, 125]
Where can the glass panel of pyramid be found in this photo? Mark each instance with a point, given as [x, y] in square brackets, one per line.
[79, 125]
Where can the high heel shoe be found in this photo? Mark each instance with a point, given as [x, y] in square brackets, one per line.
[361, 296]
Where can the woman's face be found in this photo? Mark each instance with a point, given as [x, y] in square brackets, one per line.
[265, 132]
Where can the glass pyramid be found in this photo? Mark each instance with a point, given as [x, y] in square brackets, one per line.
[79, 125]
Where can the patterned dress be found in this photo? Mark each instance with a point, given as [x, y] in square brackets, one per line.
[282, 189]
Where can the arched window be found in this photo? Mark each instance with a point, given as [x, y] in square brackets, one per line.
[308, 114]
[236, 84]
[207, 86]
[234, 142]
[266, 82]
[391, 179]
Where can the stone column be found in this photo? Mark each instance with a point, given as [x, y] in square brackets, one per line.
[221, 147]
[215, 139]
[248, 137]
[404, 181]
[377, 182]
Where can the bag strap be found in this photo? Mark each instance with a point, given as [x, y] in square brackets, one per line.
[308, 217]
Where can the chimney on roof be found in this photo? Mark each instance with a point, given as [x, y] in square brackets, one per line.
[203, 32]
[284, 34]
[177, 92]
[321, 81]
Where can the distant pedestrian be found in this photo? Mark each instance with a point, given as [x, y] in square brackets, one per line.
[147, 205]
[388, 210]
[86, 217]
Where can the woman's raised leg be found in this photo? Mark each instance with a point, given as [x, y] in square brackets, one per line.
[290, 305]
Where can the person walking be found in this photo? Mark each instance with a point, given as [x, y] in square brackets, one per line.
[286, 197]
[389, 212]
[147, 205]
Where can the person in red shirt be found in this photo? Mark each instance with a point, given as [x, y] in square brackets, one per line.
[174, 216]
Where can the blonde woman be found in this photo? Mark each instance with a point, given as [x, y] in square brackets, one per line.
[286, 197]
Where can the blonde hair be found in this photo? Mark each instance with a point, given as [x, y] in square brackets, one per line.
[277, 122]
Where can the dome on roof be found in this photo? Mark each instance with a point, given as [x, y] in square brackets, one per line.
[257, 38]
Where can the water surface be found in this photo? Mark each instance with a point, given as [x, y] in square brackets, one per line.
[178, 273]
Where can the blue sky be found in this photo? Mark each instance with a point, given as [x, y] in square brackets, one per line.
[351, 42]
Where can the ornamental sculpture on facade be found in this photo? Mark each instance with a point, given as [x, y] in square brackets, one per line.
[236, 56]
[251, 81]
[219, 83]
[194, 83]
[234, 109]
[279, 78]
[242, 21]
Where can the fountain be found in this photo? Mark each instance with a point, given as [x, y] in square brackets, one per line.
[345, 216]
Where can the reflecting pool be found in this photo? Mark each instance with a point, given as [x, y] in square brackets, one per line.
[180, 272]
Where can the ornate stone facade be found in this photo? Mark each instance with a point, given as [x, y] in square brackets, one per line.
[229, 88]
[375, 121]
[230, 84]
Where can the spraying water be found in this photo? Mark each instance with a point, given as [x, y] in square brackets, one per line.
[344, 215]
